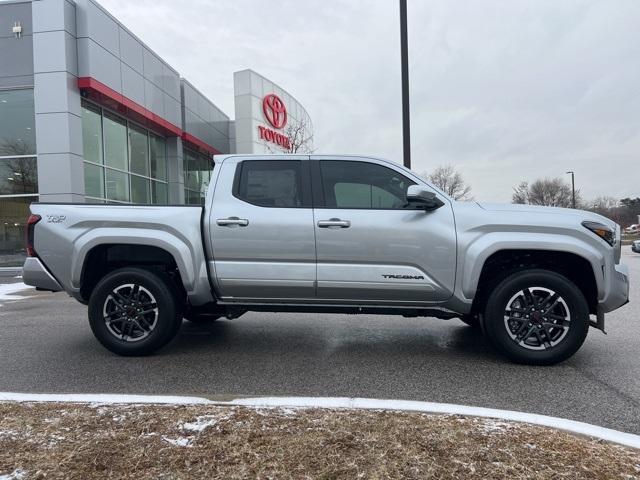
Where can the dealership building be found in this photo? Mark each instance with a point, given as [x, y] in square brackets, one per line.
[89, 113]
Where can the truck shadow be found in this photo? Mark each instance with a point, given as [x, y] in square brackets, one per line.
[315, 340]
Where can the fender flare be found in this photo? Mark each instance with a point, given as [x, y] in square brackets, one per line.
[477, 253]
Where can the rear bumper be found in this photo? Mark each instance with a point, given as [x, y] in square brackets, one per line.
[34, 273]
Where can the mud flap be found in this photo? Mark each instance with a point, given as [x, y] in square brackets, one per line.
[599, 323]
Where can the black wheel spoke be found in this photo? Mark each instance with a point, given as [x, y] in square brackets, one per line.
[523, 338]
[121, 318]
[528, 297]
[143, 324]
[519, 319]
[135, 292]
[552, 300]
[517, 310]
[521, 329]
[118, 298]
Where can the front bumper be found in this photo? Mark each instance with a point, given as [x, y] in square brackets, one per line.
[618, 289]
[635, 248]
[34, 273]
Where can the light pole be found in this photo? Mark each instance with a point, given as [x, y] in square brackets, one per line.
[573, 189]
[404, 59]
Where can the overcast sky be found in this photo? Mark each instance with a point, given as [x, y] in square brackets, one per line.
[504, 90]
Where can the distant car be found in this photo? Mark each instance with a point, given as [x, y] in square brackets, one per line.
[635, 246]
[635, 228]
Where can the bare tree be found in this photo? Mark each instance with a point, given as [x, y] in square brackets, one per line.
[22, 175]
[450, 181]
[300, 139]
[550, 192]
[521, 193]
[14, 146]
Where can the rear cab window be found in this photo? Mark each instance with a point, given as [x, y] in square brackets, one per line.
[273, 183]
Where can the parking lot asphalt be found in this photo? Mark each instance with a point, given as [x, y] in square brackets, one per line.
[46, 346]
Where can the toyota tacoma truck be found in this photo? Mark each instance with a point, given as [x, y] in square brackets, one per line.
[332, 234]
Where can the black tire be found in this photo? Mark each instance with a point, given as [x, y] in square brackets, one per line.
[153, 306]
[543, 344]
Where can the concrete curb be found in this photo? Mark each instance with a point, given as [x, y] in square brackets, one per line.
[580, 428]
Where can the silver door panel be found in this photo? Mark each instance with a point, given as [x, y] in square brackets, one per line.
[377, 282]
[271, 279]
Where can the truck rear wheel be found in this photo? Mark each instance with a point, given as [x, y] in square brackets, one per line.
[133, 311]
[536, 317]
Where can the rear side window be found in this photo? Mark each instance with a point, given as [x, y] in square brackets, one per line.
[271, 183]
[362, 185]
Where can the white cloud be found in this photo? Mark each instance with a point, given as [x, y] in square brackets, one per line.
[504, 91]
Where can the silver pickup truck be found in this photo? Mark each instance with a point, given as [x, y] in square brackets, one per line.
[335, 234]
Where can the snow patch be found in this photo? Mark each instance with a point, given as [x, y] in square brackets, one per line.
[17, 474]
[7, 291]
[176, 442]
[201, 423]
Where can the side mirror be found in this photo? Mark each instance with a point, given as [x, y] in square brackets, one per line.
[423, 198]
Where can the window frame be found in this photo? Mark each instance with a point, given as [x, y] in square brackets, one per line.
[103, 110]
[305, 182]
[319, 200]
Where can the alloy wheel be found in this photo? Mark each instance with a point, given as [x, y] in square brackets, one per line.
[537, 318]
[130, 312]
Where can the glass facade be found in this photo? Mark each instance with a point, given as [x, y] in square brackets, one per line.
[17, 123]
[18, 171]
[197, 173]
[124, 162]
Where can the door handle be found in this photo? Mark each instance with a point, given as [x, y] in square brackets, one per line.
[334, 223]
[232, 222]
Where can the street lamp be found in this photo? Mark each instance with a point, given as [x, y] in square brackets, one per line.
[573, 189]
[404, 59]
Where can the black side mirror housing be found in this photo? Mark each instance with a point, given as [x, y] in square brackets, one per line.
[423, 198]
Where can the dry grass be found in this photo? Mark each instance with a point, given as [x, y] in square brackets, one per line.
[201, 442]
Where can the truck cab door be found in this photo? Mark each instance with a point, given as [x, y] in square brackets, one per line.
[261, 228]
[372, 247]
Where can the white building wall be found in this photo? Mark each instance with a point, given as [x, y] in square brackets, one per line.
[249, 90]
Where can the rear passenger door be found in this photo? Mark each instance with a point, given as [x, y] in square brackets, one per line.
[261, 226]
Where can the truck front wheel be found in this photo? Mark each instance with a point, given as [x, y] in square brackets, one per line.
[536, 317]
[133, 311]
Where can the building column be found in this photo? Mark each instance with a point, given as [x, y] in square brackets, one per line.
[57, 102]
[175, 171]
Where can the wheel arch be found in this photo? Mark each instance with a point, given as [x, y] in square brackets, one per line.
[503, 262]
[104, 258]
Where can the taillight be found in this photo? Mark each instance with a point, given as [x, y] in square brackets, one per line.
[31, 223]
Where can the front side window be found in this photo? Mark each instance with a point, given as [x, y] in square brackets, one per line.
[362, 185]
[276, 183]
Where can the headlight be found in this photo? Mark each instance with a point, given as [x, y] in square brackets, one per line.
[604, 232]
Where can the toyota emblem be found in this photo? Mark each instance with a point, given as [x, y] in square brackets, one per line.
[274, 110]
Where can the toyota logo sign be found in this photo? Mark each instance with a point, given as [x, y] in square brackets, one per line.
[274, 110]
